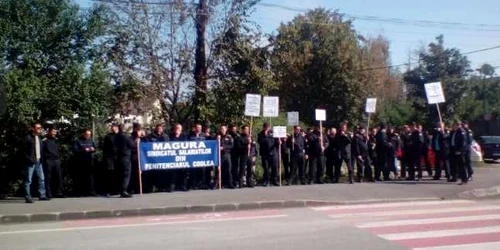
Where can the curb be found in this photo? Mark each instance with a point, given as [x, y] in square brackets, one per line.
[480, 193]
[173, 210]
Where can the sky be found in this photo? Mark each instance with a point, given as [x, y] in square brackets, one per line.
[403, 38]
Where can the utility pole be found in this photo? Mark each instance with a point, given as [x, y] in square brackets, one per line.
[200, 69]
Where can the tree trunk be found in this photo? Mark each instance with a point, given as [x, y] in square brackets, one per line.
[200, 70]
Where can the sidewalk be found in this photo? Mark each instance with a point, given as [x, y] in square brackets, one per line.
[16, 211]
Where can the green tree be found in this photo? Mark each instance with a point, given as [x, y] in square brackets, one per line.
[50, 68]
[446, 65]
[317, 62]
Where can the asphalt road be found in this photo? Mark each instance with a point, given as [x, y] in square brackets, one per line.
[458, 224]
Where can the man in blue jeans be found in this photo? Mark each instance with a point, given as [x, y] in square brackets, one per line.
[32, 161]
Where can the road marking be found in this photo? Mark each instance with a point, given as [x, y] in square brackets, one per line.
[442, 233]
[428, 221]
[395, 204]
[141, 225]
[482, 246]
[414, 212]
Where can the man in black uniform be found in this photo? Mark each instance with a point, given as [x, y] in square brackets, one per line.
[252, 159]
[297, 144]
[381, 148]
[285, 157]
[425, 150]
[197, 175]
[458, 143]
[268, 155]
[406, 141]
[177, 176]
[243, 145]
[157, 178]
[124, 145]
[52, 164]
[226, 144]
[468, 140]
[137, 136]
[360, 153]
[392, 148]
[439, 147]
[84, 150]
[417, 143]
[332, 154]
[316, 148]
[233, 132]
[343, 141]
[110, 152]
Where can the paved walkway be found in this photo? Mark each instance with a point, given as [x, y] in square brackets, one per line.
[15, 210]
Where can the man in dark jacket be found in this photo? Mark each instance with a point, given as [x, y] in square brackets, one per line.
[124, 145]
[267, 149]
[458, 147]
[226, 145]
[137, 136]
[297, 144]
[406, 147]
[394, 144]
[440, 149]
[84, 149]
[157, 178]
[381, 147]
[242, 146]
[317, 143]
[32, 161]
[177, 177]
[360, 153]
[52, 164]
[417, 145]
[110, 153]
[332, 154]
[197, 175]
[343, 141]
[285, 157]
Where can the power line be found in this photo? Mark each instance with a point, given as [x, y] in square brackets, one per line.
[406, 64]
[425, 23]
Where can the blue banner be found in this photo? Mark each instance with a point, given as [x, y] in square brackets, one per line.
[178, 154]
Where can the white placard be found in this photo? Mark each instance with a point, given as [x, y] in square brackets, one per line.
[371, 105]
[320, 115]
[292, 118]
[271, 106]
[279, 132]
[434, 92]
[252, 105]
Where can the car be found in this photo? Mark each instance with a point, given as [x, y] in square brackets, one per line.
[490, 146]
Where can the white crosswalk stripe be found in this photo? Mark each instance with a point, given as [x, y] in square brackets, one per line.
[429, 225]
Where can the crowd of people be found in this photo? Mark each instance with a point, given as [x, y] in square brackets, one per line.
[307, 156]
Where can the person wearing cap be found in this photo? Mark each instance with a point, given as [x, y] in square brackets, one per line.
[361, 156]
[52, 164]
[84, 149]
[268, 155]
[32, 161]
[469, 140]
